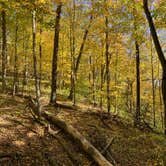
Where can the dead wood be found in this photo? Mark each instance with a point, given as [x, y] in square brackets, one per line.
[107, 146]
[82, 141]
[105, 151]
[11, 155]
[86, 146]
[65, 147]
[70, 107]
[29, 128]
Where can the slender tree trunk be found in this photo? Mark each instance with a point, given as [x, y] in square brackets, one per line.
[90, 76]
[61, 80]
[160, 96]
[25, 71]
[102, 67]
[101, 85]
[107, 64]
[16, 80]
[79, 57]
[40, 55]
[131, 96]
[116, 81]
[160, 55]
[4, 50]
[94, 83]
[72, 95]
[37, 84]
[53, 98]
[137, 115]
[153, 88]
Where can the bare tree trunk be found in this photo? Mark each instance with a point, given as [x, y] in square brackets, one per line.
[137, 114]
[153, 88]
[160, 55]
[160, 96]
[116, 81]
[16, 81]
[37, 84]
[25, 71]
[102, 67]
[40, 55]
[90, 76]
[4, 50]
[107, 65]
[93, 82]
[72, 94]
[79, 57]
[53, 98]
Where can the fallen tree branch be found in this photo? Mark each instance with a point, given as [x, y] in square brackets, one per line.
[70, 107]
[107, 146]
[69, 153]
[105, 150]
[82, 141]
[87, 147]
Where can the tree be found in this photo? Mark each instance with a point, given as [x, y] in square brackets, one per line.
[37, 82]
[75, 69]
[55, 55]
[4, 50]
[15, 81]
[160, 55]
[107, 59]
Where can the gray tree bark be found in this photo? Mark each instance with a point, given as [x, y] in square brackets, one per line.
[37, 83]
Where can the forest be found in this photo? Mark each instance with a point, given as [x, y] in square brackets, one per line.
[83, 82]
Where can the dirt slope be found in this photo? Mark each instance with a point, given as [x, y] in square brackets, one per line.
[24, 142]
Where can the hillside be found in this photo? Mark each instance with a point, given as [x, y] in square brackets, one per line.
[23, 141]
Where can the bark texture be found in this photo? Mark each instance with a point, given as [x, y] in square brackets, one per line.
[160, 55]
[37, 82]
[55, 55]
[4, 50]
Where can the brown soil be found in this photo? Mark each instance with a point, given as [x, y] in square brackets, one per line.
[23, 141]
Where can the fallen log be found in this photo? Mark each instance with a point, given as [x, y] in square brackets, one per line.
[70, 154]
[85, 144]
[82, 141]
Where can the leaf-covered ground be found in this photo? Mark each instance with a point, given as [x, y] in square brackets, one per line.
[25, 142]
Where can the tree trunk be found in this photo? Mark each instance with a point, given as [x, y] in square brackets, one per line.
[37, 84]
[40, 55]
[160, 55]
[153, 88]
[79, 57]
[53, 98]
[107, 64]
[16, 81]
[4, 50]
[72, 94]
[94, 82]
[160, 97]
[116, 82]
[102, 67]
[137, 114]
[25, 72]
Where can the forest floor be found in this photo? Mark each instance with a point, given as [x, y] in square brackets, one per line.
[23, 141]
